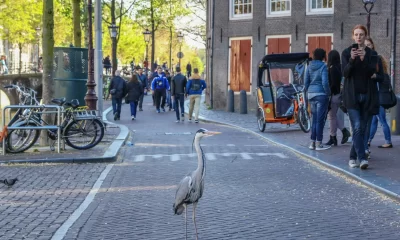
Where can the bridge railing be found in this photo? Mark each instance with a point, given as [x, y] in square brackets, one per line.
[25, 67]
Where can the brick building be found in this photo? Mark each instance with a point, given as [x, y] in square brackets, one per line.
[246, 30]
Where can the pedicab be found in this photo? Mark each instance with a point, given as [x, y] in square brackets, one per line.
[280, 90]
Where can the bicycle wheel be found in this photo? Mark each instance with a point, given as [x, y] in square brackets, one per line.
[260, 120]
[304, 120]
[84, 134]
[19, 140]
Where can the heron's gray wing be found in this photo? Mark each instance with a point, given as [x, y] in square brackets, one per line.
[182, 192]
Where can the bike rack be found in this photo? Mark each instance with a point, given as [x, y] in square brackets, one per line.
[51, 127]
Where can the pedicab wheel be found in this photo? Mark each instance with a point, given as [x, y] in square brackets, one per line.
[260, 120]
[304, 120]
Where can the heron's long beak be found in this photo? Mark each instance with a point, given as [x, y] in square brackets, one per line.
[210, 133]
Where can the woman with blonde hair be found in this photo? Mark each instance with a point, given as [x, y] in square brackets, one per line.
[381, 117]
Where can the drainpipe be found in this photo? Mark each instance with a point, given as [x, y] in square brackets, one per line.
[212, 55]
[393, 52]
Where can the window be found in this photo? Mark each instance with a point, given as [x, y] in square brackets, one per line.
[241, 9]
[320, 6]
[278, 8]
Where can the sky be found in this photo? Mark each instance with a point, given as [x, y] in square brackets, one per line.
[192, 20]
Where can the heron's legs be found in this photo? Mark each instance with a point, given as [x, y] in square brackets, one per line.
[194, 219]
[184, 205]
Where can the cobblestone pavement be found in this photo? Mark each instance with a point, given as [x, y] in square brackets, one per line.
[248, 195]
[43, 198]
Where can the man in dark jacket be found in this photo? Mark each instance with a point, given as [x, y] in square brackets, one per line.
[160, 86]
[360, 92]
[143, 80]
[117, 89]
[178, 89]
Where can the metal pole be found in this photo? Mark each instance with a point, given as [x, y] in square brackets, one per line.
[90, 97]
[98, 69]
[212, 56]
[180, 51]
[146, 60]
[369, 23]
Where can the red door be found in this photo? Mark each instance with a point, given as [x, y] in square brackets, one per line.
[240, 65]
[324, 42]
[275, 46]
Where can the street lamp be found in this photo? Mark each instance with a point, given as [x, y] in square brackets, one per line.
[38, 46]
[113, 34]
[368, 5]
[147, 35]
[180, 40]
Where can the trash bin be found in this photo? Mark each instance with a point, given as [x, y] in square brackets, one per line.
[70, 73]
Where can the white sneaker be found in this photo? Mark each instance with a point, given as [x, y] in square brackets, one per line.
[368, 154]
[133, 117]
[312, 146]
[319, 146]
[177, 120]
[364, 164]
[353, 163]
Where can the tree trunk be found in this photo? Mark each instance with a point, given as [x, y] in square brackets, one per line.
[153, 43]
[114, 61]
[48, 52]
[20, 58]
[85, 24]
[76, 4]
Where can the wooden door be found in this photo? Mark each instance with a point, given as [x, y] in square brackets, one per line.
[324, 42]
[240, 65]
[276, 46]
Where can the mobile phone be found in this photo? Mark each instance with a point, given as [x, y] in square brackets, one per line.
[355, 45]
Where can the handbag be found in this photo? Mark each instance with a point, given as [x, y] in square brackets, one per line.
[387, 98]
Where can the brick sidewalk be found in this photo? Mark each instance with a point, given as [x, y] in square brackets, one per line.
[384, 165]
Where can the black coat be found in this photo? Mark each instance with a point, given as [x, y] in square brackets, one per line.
[118, 83]
[135, 90]
[365, 69]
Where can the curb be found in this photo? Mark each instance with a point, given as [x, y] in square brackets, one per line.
[341, 171]
[110, 155]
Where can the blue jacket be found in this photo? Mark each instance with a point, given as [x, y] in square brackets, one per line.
[316, 79]
[159, 83]
[143, 80]
[195, 85]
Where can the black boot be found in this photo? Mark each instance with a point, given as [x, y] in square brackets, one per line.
[346, 135]
[332, 141]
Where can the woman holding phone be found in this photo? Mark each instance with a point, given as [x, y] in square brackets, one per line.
[360, 92]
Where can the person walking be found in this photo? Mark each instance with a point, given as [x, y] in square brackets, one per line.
[178, 90]
[3, 65]
[194, 88]
[143, 80]
[159, 86]
[168, 96]
[316, 85]
[381, 117]
[135, 90]
[189, 69]
[117, 89]
[360, 92]
[107, 64]
[335, 78]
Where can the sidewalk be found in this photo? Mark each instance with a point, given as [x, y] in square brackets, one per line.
[382, 173]
[106, 151]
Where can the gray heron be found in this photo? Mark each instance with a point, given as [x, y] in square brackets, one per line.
[190, 189]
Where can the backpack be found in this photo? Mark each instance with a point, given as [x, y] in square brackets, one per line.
[196, 85]
[387, 98]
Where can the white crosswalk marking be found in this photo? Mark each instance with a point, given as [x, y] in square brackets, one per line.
[209, 156]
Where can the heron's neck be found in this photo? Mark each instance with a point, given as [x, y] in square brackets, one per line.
[200, 160]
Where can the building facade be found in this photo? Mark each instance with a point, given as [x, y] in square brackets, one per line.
[241, 32]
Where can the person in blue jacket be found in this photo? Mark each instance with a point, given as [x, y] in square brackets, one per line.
[317, 87]
[159, 86]
[194, 88]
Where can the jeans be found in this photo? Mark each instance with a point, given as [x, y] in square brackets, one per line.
[374, 126]
[179, 101]
[141, 101]
[169, 101]
[116, 105]
[319, 108]
[133, 105]
[194, 105]
[159, 97]
[359, 121]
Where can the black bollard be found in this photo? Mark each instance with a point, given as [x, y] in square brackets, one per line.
[231, 100]
[243, 102]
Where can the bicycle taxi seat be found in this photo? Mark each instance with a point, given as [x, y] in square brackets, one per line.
[59, 101]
